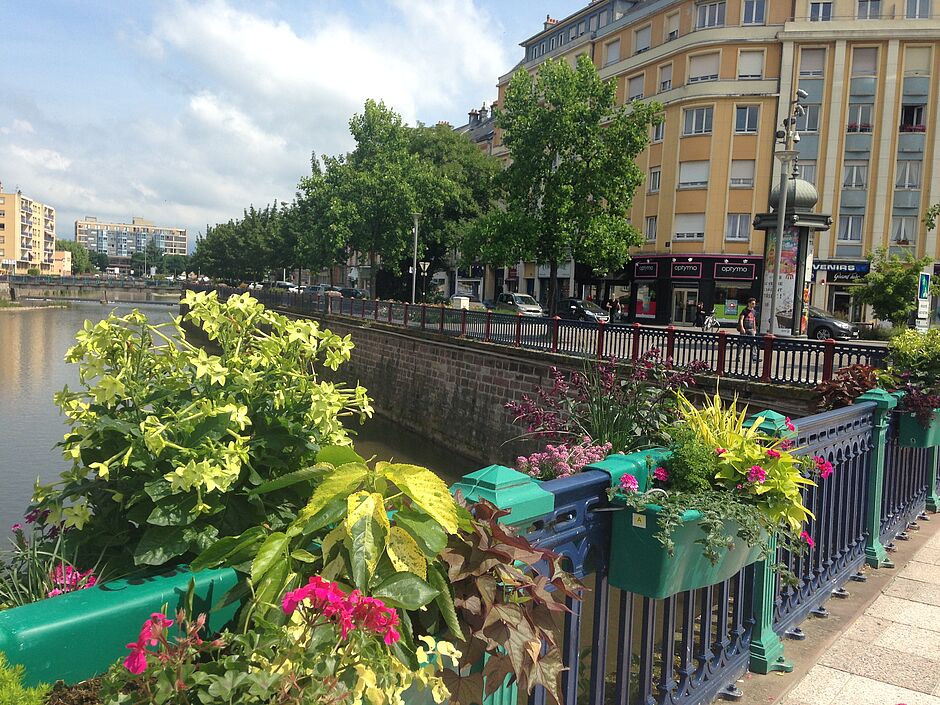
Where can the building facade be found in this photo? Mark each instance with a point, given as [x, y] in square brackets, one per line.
[27, 234]
[120, 241]
[725, 71]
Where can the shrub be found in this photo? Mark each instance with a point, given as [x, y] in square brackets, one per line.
[12, 690]
[168, 442]
[848, 384]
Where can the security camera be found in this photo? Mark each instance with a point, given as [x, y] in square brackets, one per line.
[801, 94]
[800, 110]
[780, 134]
[796, 136]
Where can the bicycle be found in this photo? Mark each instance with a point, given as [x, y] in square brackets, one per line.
[710, 323]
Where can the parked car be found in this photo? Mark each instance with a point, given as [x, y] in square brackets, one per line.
[581, 310]
[349, 292]
[282, 286]
[518, 303]
[320, 289]
[822, 324]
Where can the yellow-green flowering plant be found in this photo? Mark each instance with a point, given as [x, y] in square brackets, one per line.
[168, 439]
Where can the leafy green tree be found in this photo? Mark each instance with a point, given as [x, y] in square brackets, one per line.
[151, 256]
[572, 173]
[890, 287]
[100, 260]
[81, 261]
[175, 264]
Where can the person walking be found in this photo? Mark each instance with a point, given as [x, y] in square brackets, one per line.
[700, 315]
[747, 325]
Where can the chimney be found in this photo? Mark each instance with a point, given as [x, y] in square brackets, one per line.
[550, 21]
[483, 113]
[474, 118]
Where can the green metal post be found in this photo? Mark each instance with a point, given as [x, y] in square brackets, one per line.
[875, 554]
[933, 500]
[767, 652]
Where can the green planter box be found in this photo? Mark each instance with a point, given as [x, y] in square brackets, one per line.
[913, 434]
[640, 564]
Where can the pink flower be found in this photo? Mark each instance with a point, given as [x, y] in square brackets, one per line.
[808, 539]
[136, 661]
[720, 451]
[661, 474]
[16, 527]
[823, 466]
[55, 592]
[787, 444]
[628, 483]
[756, 474]
[789, 424]
[771, 453]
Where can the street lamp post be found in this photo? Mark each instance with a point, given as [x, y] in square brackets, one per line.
[786, 137]
[414, 262]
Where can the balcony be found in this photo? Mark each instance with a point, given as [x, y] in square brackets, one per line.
[913, 128]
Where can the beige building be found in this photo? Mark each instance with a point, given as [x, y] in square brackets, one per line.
[120, 241]
[62, 263]
[27, 234]
[870, 138]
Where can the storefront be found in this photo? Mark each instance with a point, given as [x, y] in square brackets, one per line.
[668, 289]
[833, 286]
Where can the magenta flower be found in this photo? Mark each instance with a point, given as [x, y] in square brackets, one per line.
[808, 539]
[150, 634]
[16, 527]
[661, 474]
[787, 444]
[720, 451]
[789, 424]
[771, 453]
[823, 466]
[756, 475]
[136, 661]
[628, 483]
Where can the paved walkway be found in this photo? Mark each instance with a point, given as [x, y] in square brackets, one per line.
[891, 653]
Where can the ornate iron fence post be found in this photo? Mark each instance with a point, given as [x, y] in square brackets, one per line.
[600, 340]
[767, 653]
[933, 500]
[875, 554]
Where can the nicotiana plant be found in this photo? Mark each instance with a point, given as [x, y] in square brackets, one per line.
[169, 441]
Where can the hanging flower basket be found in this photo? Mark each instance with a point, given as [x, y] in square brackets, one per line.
[914, 434]
[639, 563]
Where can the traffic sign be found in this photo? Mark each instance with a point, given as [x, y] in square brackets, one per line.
[923, 291]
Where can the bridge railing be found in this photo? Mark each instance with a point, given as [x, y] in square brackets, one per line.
[98, 282]
[761, 358]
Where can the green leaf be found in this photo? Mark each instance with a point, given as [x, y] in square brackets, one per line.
[176, 511]
[230, 550]
[291, 478]
[342, 482]
[339, 455]
[160, 544]
[405, 590]
[158, 489]
[331, 514]
[271, 551]
[429, 535]
[303, 556]
[368, 528]
[444, 600]
[427, 491]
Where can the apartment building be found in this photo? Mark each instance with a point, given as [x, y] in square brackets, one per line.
[27, 234]
[725, 70]
[120, 241]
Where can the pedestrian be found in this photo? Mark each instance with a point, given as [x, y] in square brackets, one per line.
[618, 310]
[747, 325]
[700, 315]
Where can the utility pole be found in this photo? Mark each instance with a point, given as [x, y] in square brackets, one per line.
[414, 262]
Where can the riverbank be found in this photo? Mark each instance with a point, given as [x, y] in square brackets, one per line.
[16, 306]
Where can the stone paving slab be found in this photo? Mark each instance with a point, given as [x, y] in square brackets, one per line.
[915, 614]
[915, 590]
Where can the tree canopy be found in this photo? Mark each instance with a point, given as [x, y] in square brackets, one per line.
[572, 175]
[890, 287]
[81, 261]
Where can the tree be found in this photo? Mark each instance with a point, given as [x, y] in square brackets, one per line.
[81, 261]
[100, 260]
[890, 287]
[572, 176]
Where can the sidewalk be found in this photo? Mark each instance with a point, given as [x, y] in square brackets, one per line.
[889, 654]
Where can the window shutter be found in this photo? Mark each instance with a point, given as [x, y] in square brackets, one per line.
[642, 41]
[690, 222]
[742, 172]
[864, 61]
[635, 87]
[751, 64]
[917, 61]
[693, 172]
[703, 65]
[812, 62]
[613, 52]
[672, 25]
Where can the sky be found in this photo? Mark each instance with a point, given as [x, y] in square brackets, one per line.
[185, 112]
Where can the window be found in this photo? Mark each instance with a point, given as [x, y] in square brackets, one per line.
[754, 11]
[665, 78]
[690, 226]
[635, 88]
[908, 174]
[739, 227]
[581, 28]
[809, 120]
[593, 23]
[903, 229]
[613, 52]
[864, 61]
[807, 171]
[742, 173]
[859, 117]
[693, 174]
[552, 45]
[820, 11]
[654, 179]
[641, 39]
[918, 9]
[573, 33]
[751, 64]
[672, 27]
[703, 67]
[710, 15]
[603, 19]
[917, 61]
[659, 131]
[869, 9]
[855, 175]
[812, 62]
[698, 121]
[651, 228]
[746, 118]
[850, 228]
[913, 118]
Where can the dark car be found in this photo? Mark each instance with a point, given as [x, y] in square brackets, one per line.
[581, 310]
[350, 293]
[822, 324]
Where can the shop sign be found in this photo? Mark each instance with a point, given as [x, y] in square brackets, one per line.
[841, 272]
[732, 270]
[564, 270]
[646, 270]
[686, 270]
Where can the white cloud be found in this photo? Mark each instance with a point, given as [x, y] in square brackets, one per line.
[244, 100]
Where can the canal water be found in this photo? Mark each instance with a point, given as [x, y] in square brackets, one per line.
[32, 368]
